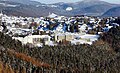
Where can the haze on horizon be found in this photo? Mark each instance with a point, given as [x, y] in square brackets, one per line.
[68, 1]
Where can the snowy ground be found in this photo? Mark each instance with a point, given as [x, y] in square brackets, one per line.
[85, 39]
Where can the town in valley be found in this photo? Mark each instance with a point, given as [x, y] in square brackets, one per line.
[53, 29]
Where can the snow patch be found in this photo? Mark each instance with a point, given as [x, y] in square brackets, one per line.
[53, 6]
[37, 5]
[8, 5]
[11, 5]
[69, 8]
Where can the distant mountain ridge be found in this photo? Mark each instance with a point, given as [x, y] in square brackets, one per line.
[27, 2]
[112, 12]
[36, 9]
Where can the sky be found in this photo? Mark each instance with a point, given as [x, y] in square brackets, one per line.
[56, 1]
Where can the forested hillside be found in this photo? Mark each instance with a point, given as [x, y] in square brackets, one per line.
[113, 38]
[102, 56]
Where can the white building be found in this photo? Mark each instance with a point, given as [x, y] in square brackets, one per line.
[34, 39]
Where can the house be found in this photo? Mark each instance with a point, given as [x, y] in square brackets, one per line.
[92, 20]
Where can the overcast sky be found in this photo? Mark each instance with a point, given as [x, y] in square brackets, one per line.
[55, 1]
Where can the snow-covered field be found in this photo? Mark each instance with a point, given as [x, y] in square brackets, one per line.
[85, 39]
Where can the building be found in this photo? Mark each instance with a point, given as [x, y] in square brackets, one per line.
[59, 37]
[69, 36]
[64, 36]
[34, 39]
